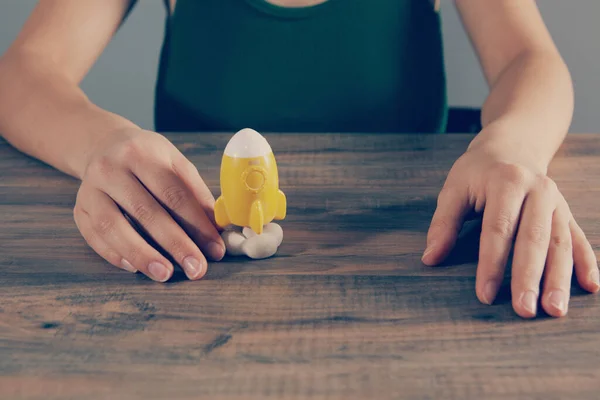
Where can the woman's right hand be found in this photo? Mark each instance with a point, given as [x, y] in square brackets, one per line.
[137, 175]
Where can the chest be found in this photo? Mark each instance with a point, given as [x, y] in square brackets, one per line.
[300, 3]
[296, 3]
[282, 3]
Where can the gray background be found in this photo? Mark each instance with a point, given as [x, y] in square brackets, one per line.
[123, 79]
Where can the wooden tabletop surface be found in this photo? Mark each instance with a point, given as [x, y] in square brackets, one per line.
[345, 310]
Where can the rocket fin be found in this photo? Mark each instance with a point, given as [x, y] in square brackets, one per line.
[281, 206]
[221, 217]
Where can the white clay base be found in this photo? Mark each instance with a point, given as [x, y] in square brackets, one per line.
[246, 242]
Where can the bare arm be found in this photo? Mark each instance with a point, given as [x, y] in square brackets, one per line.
[123, 168]
[503, 175]
[43, 112]
[531, 97]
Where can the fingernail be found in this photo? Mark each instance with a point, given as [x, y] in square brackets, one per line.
[126, 265]
[158, 271]
[216, 250]
[595, 279]
[490, 290]
[428, 250]
[193, 267]
[557, 300]
[529, 301]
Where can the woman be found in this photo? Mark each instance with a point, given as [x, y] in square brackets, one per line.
[305, 65]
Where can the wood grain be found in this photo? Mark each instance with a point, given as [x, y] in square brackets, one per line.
[344, 311]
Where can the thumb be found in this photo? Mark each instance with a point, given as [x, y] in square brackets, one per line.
[452, 207]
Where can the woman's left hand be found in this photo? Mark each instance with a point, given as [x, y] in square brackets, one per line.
[517, 199]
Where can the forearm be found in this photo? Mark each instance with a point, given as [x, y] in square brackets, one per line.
[530, 107]
[48, 117]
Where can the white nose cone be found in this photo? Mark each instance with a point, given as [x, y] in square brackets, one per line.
[247, 143]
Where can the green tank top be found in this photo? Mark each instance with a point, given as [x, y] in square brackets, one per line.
[340, 66]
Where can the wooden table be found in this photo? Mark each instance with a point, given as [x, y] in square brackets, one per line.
[344, 311]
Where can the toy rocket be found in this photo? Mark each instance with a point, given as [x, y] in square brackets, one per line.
[250, 195]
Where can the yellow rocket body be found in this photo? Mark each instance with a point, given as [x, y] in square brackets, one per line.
[250, 195]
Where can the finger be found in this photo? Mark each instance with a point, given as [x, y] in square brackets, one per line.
[183, 206]
[445, 225]
[143, 208]
[531, 248]
[127, 247]
[500, 220]
[191, 177]
[586, 264]
[82, 220]
[559, 266]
